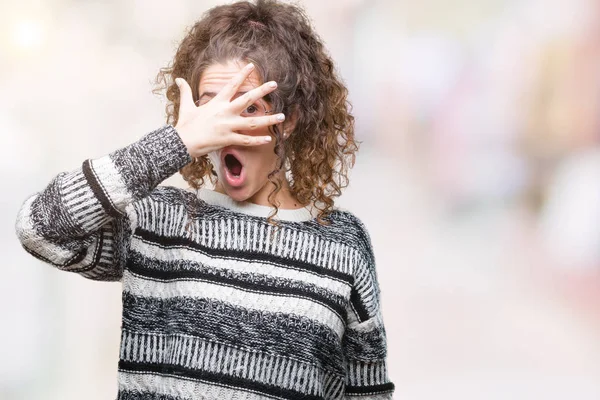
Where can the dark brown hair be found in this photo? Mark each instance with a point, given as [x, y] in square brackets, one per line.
[279, 40]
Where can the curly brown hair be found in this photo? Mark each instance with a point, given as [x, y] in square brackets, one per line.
[279, 40]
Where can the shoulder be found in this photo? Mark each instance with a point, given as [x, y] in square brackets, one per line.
[354, 230]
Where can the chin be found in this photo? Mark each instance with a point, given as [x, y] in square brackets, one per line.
[239, 193]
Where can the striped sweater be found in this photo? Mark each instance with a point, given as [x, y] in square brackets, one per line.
[217, 302]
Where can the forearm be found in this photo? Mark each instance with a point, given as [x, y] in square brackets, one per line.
[131, 173]
[61, 223]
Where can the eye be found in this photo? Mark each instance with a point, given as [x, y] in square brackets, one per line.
[251, 110]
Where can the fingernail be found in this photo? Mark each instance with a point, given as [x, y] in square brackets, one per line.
[178, 81]
[250, 66]
[280, 117]
[273, 84]
[267, 139]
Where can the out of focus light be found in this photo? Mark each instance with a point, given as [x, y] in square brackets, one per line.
[28, 34]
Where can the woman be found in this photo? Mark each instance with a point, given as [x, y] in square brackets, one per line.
[259, 288]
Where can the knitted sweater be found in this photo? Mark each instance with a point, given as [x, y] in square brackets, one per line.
[217, 302]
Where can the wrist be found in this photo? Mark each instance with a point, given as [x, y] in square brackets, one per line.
[185, 138]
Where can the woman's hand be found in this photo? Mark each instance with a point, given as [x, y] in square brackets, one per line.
[213, 125]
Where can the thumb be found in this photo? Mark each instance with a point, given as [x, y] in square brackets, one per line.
[186, 100]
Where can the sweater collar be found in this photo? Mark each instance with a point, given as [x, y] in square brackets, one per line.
[219, 199]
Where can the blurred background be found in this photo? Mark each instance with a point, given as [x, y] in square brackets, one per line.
[478, 178]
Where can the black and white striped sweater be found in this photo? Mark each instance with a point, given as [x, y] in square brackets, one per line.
[217, 303]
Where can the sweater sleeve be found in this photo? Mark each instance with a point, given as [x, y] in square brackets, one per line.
[79, 223]
[364, 342]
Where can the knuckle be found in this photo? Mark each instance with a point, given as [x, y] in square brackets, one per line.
[252, 124]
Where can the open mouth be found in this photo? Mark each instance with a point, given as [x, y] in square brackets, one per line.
[233, 165]
[234, 171]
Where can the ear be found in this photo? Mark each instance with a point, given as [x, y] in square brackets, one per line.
[289, 124]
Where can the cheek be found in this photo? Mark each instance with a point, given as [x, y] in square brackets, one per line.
[263, 160]
[215, 159]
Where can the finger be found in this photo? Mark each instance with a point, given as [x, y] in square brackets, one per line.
[238, 139]
[252, 123]
[186, 100]
[247, 99]
[231, 88]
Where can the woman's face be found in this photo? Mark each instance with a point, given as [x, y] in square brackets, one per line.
[242, 171]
